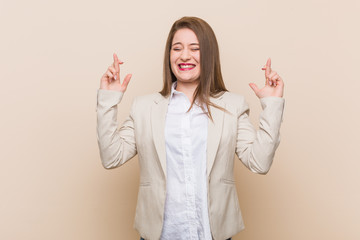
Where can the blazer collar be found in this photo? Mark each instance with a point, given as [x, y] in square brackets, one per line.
[214, 132]
[158, 118]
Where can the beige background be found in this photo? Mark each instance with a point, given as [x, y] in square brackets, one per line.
[52, 55]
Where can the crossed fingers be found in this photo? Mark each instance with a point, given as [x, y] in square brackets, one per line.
[271, 77]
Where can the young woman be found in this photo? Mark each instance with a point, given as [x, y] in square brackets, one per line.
[186, 137]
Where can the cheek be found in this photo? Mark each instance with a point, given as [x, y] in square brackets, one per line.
[197, 57]
[172, 60]
[172, 66]
[173, 55]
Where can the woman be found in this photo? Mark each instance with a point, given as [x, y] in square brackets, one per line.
[186, 137]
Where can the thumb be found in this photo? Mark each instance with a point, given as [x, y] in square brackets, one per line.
[126, 81]
[254, 87]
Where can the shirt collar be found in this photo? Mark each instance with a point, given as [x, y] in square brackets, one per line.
[173, 90]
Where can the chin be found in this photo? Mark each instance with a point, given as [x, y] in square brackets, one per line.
[187, 80]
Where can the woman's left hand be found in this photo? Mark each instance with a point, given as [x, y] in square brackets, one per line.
[274, 85]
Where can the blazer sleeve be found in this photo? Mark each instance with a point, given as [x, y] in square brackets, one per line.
[256, 149]
[116, 146]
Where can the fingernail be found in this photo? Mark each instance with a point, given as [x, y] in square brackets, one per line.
[115, 77]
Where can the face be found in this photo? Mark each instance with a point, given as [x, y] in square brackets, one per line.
[185, 56]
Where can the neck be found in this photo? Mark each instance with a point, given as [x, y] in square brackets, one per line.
[187, 88]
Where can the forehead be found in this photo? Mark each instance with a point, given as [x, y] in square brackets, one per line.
[185, 36]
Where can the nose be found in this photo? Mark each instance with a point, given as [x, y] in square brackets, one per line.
[185, 55]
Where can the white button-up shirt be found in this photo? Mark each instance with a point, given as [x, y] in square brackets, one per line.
[186, 209]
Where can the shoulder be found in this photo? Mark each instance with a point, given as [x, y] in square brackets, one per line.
[235, 99]
[146, 101]
[230, 97]
[234, 102]
[148, 98]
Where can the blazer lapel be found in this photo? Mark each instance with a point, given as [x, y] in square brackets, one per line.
[214, 132]
[158, 117]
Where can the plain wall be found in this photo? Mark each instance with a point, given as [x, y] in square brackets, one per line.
[53, 53]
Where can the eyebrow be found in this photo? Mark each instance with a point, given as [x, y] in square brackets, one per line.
[181, 43]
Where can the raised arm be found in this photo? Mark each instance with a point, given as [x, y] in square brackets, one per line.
[116, 145]
[256, 149]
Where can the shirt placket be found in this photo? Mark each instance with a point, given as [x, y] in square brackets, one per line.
[189, 175]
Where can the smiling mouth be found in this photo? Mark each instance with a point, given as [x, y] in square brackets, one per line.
[186, 66]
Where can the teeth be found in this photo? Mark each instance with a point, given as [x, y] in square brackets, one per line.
[186, 66]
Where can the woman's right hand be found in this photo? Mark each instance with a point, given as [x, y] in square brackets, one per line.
[111, 78]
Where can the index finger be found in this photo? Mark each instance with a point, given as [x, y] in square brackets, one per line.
[116, 62]
[268, 67]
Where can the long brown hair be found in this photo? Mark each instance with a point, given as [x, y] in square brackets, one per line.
[211, 83]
